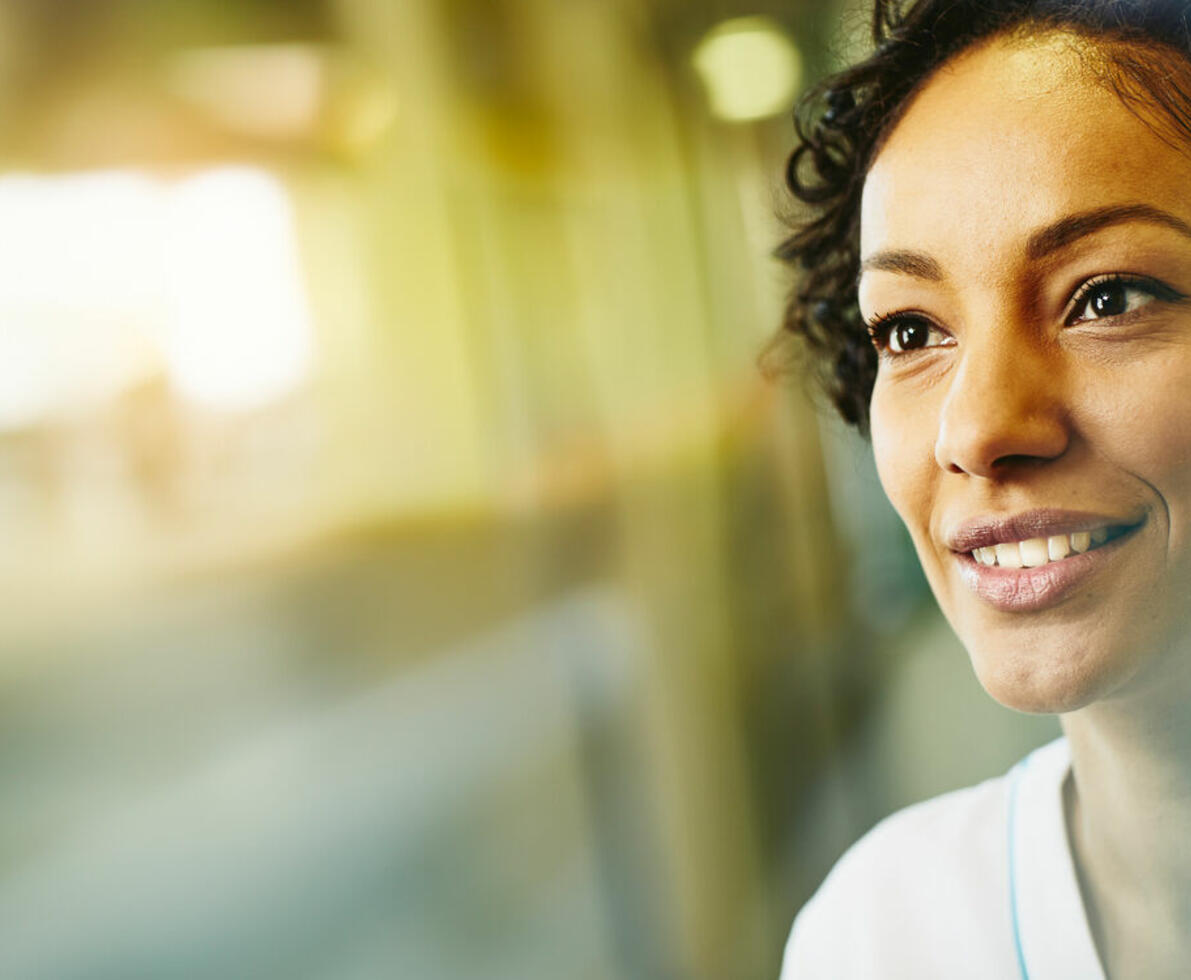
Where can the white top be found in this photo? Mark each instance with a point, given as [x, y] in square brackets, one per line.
[978, 884]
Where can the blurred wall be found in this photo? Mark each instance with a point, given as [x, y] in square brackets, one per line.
[409, 572]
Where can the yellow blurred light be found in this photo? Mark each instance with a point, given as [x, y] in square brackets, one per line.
[238, 332]
[364, 115]
[750, 67]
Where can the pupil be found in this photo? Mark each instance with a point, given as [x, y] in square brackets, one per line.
[911, 335]
[1109, 300]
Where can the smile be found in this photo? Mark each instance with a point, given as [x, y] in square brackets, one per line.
[1036, 552]
[1030, 561]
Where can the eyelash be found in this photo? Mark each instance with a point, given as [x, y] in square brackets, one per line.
[1152, 287]
[880, 328]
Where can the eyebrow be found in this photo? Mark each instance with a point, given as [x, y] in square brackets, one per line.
[1040, 244]
[1070, 229]
[916, 264]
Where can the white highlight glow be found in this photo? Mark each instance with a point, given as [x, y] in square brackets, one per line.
[78, 290]
[112, 278]
[750, 67]
[238, 332]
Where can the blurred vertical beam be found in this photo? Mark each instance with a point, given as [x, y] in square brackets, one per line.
[561, 215]
[422, 410]
[641, 318]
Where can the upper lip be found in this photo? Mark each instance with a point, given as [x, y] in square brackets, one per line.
[982, 532]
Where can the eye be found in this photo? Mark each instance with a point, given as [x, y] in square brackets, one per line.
[900, 333]
[1116, 295]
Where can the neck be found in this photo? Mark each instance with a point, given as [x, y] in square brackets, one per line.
[1128, 811]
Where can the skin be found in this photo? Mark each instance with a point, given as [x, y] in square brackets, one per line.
[1023, 400]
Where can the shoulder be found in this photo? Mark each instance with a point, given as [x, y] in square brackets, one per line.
[937, 850]
[924, 891]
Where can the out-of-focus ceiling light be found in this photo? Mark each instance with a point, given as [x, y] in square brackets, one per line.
[276, 91]
[750, 67]
[295, 92]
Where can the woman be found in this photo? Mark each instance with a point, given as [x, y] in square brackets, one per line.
[996, 276]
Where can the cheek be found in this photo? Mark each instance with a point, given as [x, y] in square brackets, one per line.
[1141, 419]
[903, 447]
[1144, 396]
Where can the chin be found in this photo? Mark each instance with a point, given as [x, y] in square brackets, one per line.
[1034, 682]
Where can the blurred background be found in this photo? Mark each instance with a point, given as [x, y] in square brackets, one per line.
[407, 571]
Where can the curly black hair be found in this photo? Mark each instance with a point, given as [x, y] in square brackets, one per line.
[840, 125]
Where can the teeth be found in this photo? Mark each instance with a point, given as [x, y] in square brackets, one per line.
[1036, 552]
[1009, 555]
[1033, 552]
[1058, 547]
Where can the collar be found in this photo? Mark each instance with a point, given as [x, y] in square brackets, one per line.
[1050, 926]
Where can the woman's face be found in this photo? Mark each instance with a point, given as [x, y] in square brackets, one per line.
[1026, 247]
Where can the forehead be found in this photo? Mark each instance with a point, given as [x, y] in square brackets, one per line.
[1007, 138]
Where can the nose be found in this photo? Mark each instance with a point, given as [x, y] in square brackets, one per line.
[1005, 408]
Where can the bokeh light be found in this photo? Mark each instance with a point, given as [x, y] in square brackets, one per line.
[751, 68]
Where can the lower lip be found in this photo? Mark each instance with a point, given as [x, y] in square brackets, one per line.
[1031, 589]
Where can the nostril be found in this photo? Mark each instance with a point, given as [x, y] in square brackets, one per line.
[1022, 424]
[1014, 460]
[982, 452]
